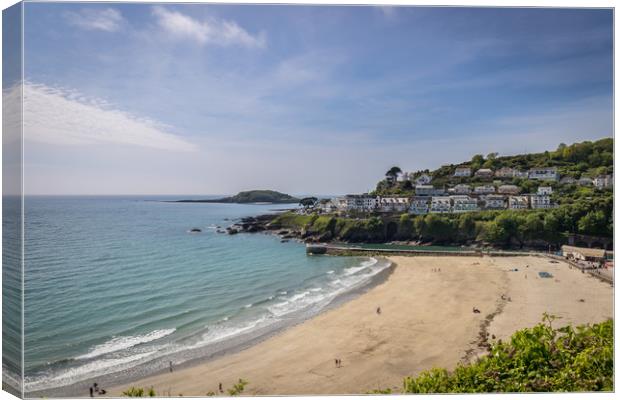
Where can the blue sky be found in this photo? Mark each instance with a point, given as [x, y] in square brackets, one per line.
[168, 98]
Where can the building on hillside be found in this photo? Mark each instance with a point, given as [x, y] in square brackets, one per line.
[568, 180]
[405, 176]
[540, 201]
[585, 181]
[544, 174]
[419, 205]
[423, 179]
[462, 189]
[604, 181]
[518, 202]
[393, 204]
[464, 204]
[440, 205]
[462, 171]
[484, 189]
[328, 205]
[584, 254]
[358, 202]
[508, 189]
[505, 172]
[484, 173]
[520, 174]
[544, 190]
[428, 190]
[494, 202]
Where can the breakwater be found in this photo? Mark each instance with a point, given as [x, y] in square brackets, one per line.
[317, 249]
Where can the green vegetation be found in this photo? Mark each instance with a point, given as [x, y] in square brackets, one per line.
[237, 388]
[586, 159]
[251, 196]
[589, 212]
[139, 392]
[538, 359]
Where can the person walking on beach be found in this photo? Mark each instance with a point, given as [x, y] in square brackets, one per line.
[91, 391]
[170, 365]
[378, 310]
[221, 389]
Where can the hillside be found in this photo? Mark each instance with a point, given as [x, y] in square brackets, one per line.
[585, 159]
[251, 196]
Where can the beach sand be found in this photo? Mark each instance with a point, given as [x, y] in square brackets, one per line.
[426, 321]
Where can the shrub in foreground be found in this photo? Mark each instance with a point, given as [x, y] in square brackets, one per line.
[538, 359]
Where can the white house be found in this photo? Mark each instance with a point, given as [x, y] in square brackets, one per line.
[464, 204]
[484, 173]
[520, 174]
[419, 205]
[505, 172]
[585, 181]
[544, 190]
[393, 204]
[484, 189]
[517, 202]
[462, 171]
[462, 189]
[428, 190]
[544, 174]
[604, 181]
[423, 179]
[358, 202]
[539, 201]
[494, 202]
[440, 204]
[568, 180]
[508, 189]
[328, 205]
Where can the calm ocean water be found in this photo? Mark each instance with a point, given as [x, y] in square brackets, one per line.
[117, 287]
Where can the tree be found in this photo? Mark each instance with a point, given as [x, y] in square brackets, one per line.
[476, 161]
[308, 202]
[593, 223]
[392, 173]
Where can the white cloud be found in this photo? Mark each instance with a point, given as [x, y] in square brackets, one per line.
[63, 117]
[109, 19]
[210, 31]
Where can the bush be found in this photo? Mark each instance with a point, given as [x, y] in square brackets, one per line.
[538, 359]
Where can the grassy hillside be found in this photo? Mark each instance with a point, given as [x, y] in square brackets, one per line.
[586, 159]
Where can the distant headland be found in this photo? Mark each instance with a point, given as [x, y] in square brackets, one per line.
[250, 196]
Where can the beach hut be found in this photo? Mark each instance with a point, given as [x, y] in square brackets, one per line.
[584, 254]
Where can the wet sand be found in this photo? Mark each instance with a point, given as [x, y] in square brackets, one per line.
[426, 321]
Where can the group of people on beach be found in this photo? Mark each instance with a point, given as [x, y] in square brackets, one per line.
[338, 362]
[96, 389]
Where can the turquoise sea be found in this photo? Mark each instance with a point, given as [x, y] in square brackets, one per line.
[118, 287]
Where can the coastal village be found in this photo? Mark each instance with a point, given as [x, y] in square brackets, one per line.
[492, 192]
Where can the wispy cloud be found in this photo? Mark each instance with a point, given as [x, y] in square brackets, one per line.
[108, 19]
[64, 117]
[209, 31]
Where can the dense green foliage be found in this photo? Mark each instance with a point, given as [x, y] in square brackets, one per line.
[538, 359]
[588, 211]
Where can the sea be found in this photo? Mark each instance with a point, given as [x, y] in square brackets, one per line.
[117, 288]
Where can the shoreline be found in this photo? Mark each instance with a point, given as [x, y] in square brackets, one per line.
[437, 328]
[220, 349]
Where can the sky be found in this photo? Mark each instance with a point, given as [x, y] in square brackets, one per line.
[214, 99]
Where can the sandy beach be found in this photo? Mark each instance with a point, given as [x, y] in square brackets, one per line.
[426, 321]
